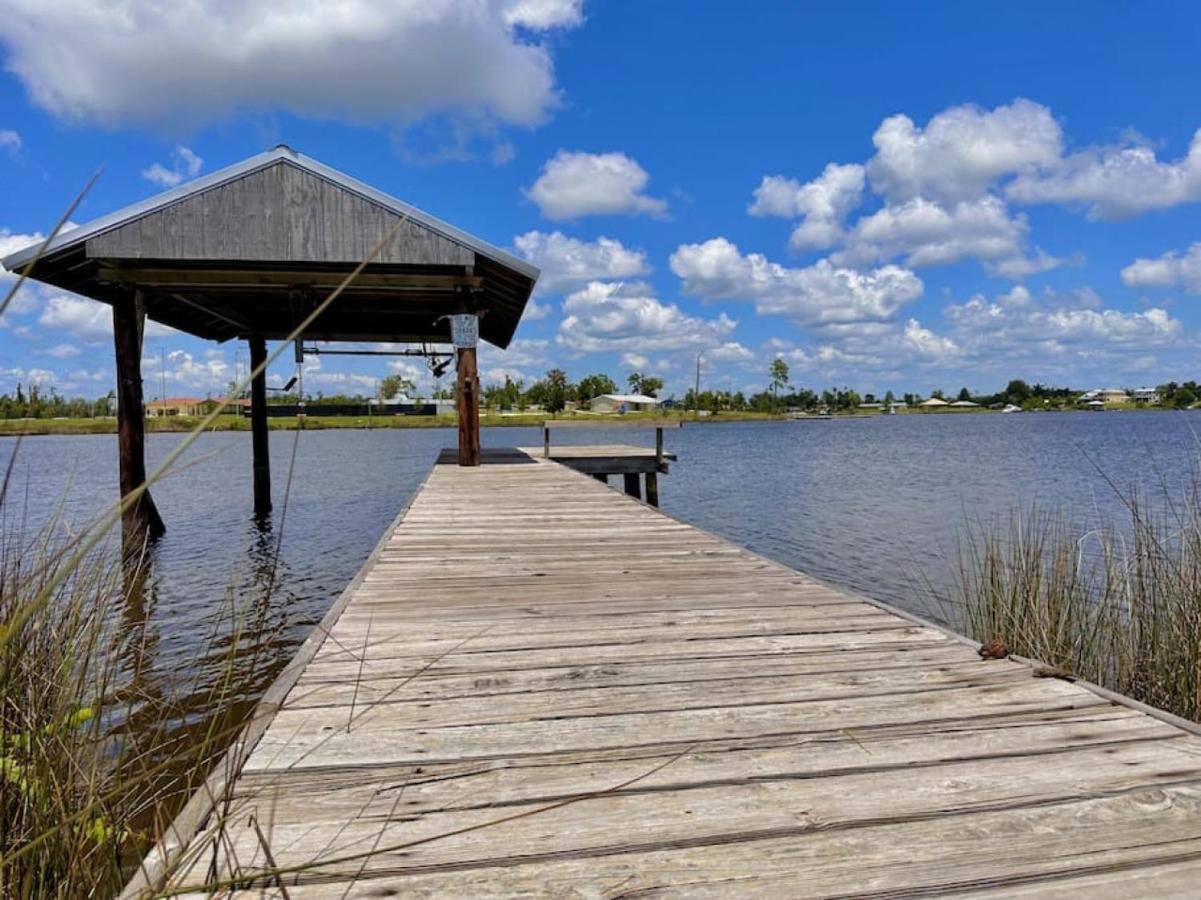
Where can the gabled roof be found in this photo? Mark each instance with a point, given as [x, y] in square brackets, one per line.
[250, 249]
[14, 261]
[627, 398]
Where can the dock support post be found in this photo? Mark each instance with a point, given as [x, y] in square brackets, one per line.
[601, 477]
[632, 486]
[652, 488]
[468, 399]
[141, 519]
[258, 426]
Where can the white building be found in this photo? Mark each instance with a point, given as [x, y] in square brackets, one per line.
[622, 403]
[1146, 395]
[1104, 395]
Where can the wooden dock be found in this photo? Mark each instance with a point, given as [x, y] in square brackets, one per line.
[538, 686]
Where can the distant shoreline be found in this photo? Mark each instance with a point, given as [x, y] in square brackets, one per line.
[181, 424]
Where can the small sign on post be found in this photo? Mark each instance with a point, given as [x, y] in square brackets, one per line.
[464, 331]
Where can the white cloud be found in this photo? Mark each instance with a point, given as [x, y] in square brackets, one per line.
[634, 361]
[927, 345]
[939, 183]
[184, 164]
[1018, 267]
[823, 204]
[573, 184]
[63, 351]
[568, 262]
[1169, 270]
[356, 60]
[1114, 182]
[88, 320]
[927, 234]
[818, 295]
[10, 140]
[627, 317]
[1018, 318]
[26, 299]
[542, 15]
[184, 371]
[730, 351]
[961, 151]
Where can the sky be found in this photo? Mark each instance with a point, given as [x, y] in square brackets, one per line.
[886, 196]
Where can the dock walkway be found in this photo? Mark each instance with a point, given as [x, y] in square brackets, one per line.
[539, 686]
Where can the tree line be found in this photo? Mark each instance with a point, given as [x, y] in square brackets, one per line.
[37, 402]
[555, 390]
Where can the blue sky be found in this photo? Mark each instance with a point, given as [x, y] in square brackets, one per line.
[888, 197]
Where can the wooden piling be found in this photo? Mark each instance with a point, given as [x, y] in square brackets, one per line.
[652, 488]
[468, 403]
[258, 426]
[140, 519]
[632, 486]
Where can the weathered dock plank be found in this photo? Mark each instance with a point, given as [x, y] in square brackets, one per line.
[539, 686]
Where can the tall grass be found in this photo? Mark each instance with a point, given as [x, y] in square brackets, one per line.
[1118, 605]
[95, 752]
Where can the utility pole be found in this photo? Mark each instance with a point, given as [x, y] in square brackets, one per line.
[162, 370]
[696, 390]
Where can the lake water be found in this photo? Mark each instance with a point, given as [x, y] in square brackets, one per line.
[877, 505]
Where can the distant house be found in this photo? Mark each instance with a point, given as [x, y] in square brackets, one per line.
[933, 403]
[1146, 395]
[1104, 395]
[622, 403]
[963, 404]
[180, 406]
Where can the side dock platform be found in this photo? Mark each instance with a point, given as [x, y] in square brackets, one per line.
[538, 686]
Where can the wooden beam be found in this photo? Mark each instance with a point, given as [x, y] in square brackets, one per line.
[225, 317]
[234, 278]
[612, 422]
[258, 427]
[468, 402]
[142, 518]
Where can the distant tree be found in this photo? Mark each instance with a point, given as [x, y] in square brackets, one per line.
[650, 386]
[964, 394]
[1182, 397]
[556, 392]
[889, 400]
[592, 386]
[390, 386]
[1018, 392]
[779, 376]
[503, 396]
[938, 395]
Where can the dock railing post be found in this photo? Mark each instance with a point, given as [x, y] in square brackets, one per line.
[659, 446]
[546, 440]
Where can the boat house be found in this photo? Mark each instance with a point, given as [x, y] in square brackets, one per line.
[281, 247]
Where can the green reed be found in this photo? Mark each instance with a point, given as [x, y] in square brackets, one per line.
[1118, 605]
